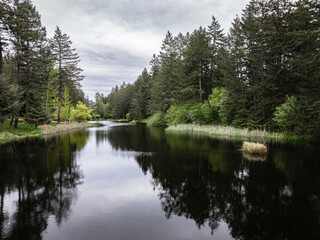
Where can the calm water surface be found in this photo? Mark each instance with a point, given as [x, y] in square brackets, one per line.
[134, 182]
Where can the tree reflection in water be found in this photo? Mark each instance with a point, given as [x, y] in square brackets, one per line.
[44, 175]
[209, 181]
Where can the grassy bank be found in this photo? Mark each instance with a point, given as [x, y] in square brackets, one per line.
[231, 132]
[8, 133]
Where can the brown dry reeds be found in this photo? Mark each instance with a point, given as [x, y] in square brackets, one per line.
[254, 148]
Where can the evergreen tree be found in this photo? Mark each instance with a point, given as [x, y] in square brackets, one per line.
[166, 80]
[197, 62]
[7, 98]
[218, 40]
[141, 96]
[66, 59]
[29, 44]
[37, 113]
[4, 34]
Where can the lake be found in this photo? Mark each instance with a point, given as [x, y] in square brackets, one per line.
[135, 182]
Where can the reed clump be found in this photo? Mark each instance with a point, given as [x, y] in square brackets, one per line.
[227, 132]
[64, 127]
[254, 148]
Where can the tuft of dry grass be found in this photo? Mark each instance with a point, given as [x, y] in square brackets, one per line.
[63, 127]
[254, 148]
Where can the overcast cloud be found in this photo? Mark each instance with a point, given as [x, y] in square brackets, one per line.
[115, 39]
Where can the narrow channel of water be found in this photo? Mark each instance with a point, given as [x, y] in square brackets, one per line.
[135, 182]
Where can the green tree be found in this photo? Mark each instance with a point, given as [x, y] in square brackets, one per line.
[66, 105]
[286, 115]
[141, 96]
[66, 59]
[28, 39]
[4, 33]
[81, 113]
[197, 62]
[218, 40]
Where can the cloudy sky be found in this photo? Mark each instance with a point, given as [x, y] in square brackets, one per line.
[115, 39]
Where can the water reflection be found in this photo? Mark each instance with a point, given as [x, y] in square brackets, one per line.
[209, 181]
[40, 178]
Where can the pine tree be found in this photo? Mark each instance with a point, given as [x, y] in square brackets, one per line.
[4, 33]
[37, 113]
[141, 96]
[5, 95]
[167, 78]
[29, 44]
[197, 62]
[66, 59]
[218, 41]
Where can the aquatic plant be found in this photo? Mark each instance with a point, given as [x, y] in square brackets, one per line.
[227, 132]
[254, 148]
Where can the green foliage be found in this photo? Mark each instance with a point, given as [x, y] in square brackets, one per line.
[158, 119]
[66, 105]
[141, 96]
[52, 99]
[178, 114]
[129, 116]
[246, 123]
[215, 101]
[95, 116]
[207, 112]
[81, 113]
[190, 112]
[37, 114]
[286, 115]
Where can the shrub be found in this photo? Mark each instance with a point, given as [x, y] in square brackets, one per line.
[192, 111]
[157, 119]
[81, 113]
[215, 101]
[179, 114]
[285, 115]
[246, 123]
[129, 116]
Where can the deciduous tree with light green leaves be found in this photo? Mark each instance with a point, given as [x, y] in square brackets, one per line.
[286, 115]
[81, 113]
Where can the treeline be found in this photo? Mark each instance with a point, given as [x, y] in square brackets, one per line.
[39, 77]
[263, 74]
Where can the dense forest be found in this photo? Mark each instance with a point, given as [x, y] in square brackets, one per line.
[264, 73]
[39, 77]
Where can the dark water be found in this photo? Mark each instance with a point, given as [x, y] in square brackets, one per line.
[138, 183]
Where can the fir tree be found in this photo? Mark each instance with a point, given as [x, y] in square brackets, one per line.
[29, 43]
[66, 59]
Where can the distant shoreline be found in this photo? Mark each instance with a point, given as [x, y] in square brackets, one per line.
[9, 134]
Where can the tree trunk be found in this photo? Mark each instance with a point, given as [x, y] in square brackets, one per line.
[18, 90]
[69, 114]
[16, 120]
[60, 91]
[1, 55]
[200, 82]
[11, 122]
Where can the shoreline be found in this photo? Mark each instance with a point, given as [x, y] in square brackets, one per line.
[232, 133]
[12, 134]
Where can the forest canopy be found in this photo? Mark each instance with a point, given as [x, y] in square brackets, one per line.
[39, 76]
[263, 73]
